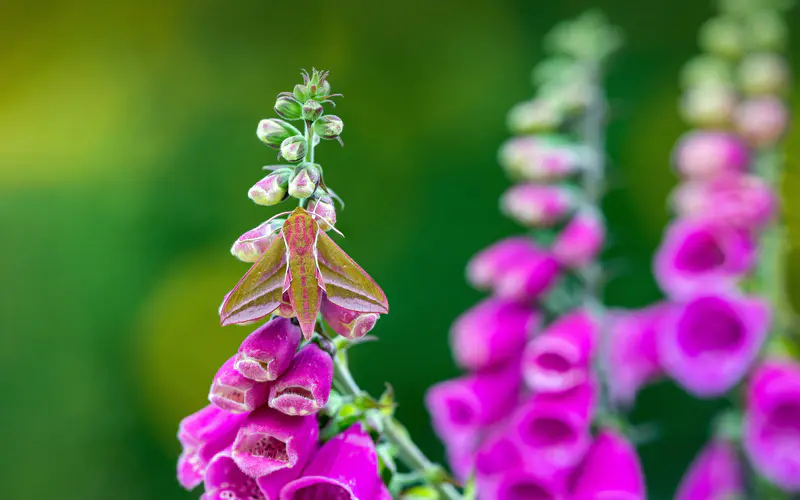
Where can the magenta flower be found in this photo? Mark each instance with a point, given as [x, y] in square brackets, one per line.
[535, 205]
[267, 352]
[461, 407]
[347, 323]
[525, 280]
[708, 341]
[461, 457]
[269, 441]
[491, 333]
[771, 433]
[632, 351]
[741, 201]
[704, 154]
[715, 473]
[224, 481]
[581, 240]
[499, 452]
[306, 385]
[204, 434]
[234, 392]
[345, 468]
[560, 357]
[697, 255]
[554, 428]
[611, 469]
[533, 159]
[250, 246]
[383, 493]
[486, 266]
[525, 484]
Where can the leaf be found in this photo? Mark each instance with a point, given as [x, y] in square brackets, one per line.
[346, 284]
[259, 291]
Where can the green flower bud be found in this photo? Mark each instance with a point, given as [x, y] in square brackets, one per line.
[709, 105]
[323, 91]
[312, 110]
[538, 115]
[328, 127]
[723, 36]
[706, 70]
[287, 107]
[301, 93]
[305, 180]
[763, 74]
[273, 132]
[294, 148]
[766, 30]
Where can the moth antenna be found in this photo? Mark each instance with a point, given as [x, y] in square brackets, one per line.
[272, 167]
[276, 216]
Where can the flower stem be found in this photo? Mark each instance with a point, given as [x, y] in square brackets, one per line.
[408, 452]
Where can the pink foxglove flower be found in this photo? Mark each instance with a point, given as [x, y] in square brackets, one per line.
[525, 484]
[611, 469]
[534, 159]
[251, 245]
[492, 333]
[346, 467]
[236, 393]
[304, 388]
[202, 435]
[347, 323]
[224, 481]
[704, 154]
[535, 205]
[560, 357]
[486, 266]
[762, 121]
[632, 351]
[269, 441]
[267, 352]
[771, 433]
[708, 341]
[715, 473]
[581, 240]
[514, 268]
[696, 255]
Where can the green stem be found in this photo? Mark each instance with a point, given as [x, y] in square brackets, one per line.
[393, 431]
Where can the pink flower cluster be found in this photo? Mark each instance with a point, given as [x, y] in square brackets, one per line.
[521, 419]
[259, 437]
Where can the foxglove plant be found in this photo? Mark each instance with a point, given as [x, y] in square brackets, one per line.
[522, 423]
[726, 319]
[287, 421]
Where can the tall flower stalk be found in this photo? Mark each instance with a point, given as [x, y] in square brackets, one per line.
[524, 422]
[287, 420]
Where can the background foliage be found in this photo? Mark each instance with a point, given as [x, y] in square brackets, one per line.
[127, 150]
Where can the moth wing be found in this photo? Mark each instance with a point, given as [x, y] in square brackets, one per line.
[346, 284]
[260, 290]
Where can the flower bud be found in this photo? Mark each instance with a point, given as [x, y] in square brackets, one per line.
[305, 180]
[271, 189]
[488, 265]
[270, 441]
[349, 324]
[294, 148]
[273, 132]
[762, 121]
[706, 154]
[312, 110]
[766, 30]
[722, 36]
[301, 93]
[534, 205]
[251, 245]
[764, 73]
[287, 107]
[708, 105]
[233, 392]
[537, 115]
[323, 210]
[328, 126]
[529, 278]
[581, 240]
[706, 69]
[268, 352]
[305, 387]
[533, 159]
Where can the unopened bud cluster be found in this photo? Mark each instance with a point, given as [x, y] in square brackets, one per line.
[522, 421]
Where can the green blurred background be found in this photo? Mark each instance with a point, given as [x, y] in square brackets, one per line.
[127, 148]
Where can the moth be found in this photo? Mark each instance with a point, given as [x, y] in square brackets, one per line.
[296, 269]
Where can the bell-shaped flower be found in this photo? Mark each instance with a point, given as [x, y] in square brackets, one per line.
[460, 408]
[250, 246]
[491, 333]
[493, 265]
[532, 159]
[270, 440]
[525, 484]
[527, 279]
[698, 254]
[611, 469]
[204, 434]
[306, 385]
[234, 392]
[707, 342]
[267, 352]
[224, 481]
[536, 205]
[715, 473]
[349, 324]
[581, 240]
[705, 154]
[346, 467]
[560, 357]
[632, 354]
[771, 433]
